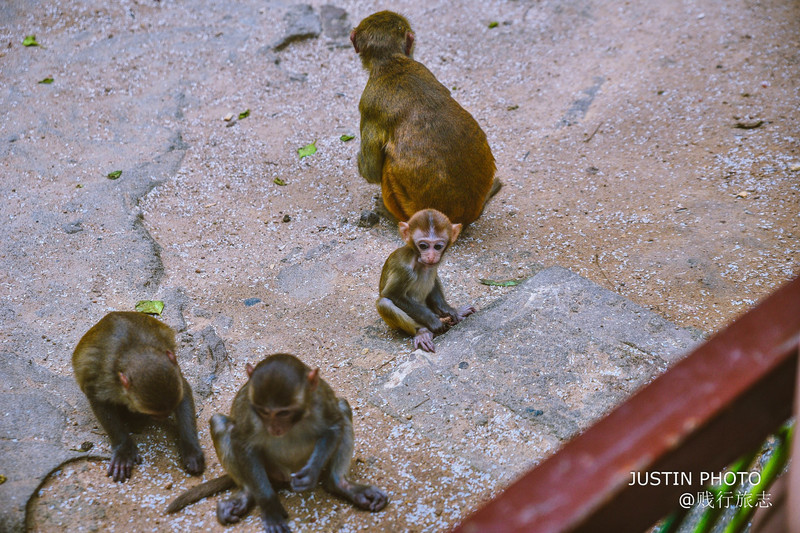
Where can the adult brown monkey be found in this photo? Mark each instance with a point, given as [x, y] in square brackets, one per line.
[286, 426]
[126, 364]
[411, 295]
[417, 142]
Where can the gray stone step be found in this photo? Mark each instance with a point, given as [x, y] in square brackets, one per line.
[511, 382]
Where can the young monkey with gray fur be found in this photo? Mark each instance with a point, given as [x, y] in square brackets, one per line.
[286, 427]
[411, 296]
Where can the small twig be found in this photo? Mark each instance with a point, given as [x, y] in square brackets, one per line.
[596, 261]
[592, 135]
[748, 124]
[422, 402]
[385, 363]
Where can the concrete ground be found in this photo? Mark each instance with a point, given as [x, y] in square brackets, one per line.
[651, 148]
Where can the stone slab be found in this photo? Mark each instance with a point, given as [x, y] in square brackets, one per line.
[39, 430]
[513, 381]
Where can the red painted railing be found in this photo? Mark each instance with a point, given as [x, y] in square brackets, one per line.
[718, 403]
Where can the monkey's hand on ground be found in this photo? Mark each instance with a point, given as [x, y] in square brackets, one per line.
[465, 311]
[424, 339]
[233, 509]
[193, 460]
[306, 478]
[274, 516]
[371, 498]
[123, 459]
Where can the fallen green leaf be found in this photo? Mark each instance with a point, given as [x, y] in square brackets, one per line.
[114, 175]
[494, 24]
[307, 150]
[504, 283]
[345, 138]
[244, 114]
[278, 181]
[46, 81]
[30, 40]
[150, 307]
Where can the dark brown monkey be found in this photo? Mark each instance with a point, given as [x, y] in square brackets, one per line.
[286, 427]
[416, 141]
[411, 297]
[126, 364]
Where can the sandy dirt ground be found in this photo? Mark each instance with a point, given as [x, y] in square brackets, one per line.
[651, 147]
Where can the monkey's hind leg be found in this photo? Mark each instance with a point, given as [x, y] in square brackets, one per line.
[398, 319]
[392, 200]
[496, 186]
[367, 497]
[395, 317]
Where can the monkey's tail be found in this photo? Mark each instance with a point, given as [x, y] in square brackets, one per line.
[496, 186]
[198, 492]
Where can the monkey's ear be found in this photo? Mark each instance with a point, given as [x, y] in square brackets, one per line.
[353, 40]
[171, 357]
[313, 378]
[403, 227]
[126, 383]
[409, 43]
[250, 369]
[456, 232]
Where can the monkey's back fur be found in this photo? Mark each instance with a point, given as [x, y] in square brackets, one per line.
[435, 155]
[112, 345]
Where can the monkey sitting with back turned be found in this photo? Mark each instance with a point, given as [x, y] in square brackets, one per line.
[417, 142]
[126, 364]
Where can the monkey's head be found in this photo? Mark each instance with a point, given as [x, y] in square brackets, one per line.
[381, 35]
[429, 232]
[151, 382]
[279, 391]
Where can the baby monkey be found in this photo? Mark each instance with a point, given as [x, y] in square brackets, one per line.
[411, 297]
[126, 364]
[287, 427]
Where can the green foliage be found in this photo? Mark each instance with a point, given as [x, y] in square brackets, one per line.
[150, 307]
[307, 150]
